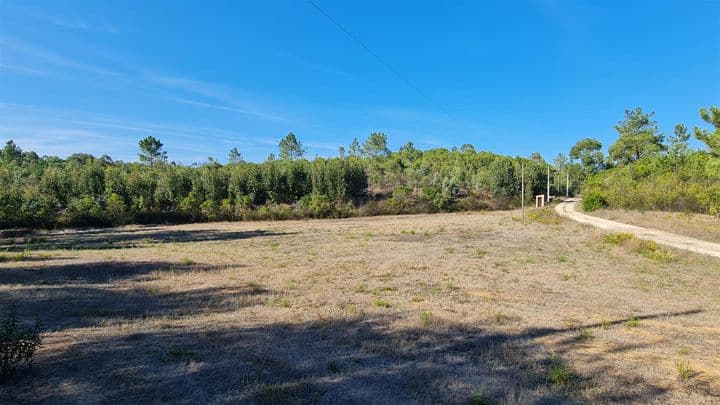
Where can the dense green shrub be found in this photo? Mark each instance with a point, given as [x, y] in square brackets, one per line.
[659, 183]
[86, 191]
[18, 342]
[593, 201]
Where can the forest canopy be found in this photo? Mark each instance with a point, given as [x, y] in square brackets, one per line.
[644, 170]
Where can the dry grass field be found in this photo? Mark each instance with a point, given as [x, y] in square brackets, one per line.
[455, 308]
[705, 227]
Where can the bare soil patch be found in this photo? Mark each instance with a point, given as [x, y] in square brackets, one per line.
[423, 308]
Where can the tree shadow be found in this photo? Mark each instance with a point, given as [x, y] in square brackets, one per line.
[81, 295]
[352, 360]
[145, 342]
[121, 238]
[103, 272]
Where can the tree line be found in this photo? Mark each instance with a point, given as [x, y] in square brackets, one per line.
[368, 179]
[365, 179]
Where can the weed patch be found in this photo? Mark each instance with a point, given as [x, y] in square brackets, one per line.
[561, 374]
[426, 317]
[617, 238]
[545, 216]
[586, 334]
[479, 254]
[684, 370]
[279, 301]
[381, 303]
[651, 250]
[479, 398]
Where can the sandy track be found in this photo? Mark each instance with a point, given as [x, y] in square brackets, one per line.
[567, 209]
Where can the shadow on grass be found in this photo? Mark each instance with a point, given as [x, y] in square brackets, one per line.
[81, 295]
[122, 238]
[118, 343]
[355, 360]
[103, 272]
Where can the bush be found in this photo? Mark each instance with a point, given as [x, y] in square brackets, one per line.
[318, 205]
[593, 201]
[17, 343]
[617, 238]
[658, 183]
[546, 216]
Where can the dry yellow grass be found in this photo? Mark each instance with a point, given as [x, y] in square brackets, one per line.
[705, 227]
[424, 308]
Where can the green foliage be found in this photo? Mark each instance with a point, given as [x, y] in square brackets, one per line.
[589, 152]
[639, 137]
[376, 145]
[561, 374]
[651, 250]
[381, 303]
[151, 151]
[593, 201]
[685, 371]
[678, 142]
[18, 342]
[479, 398]
[617, 238]
[291, 148]
[545, 216]
[689, 184]
[426, 317]
[86, 191]
[711, 139]
[234, 156]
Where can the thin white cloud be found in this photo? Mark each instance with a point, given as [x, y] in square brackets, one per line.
[24, 70]
[323, 145]
[56, 59]
[45, 129]
[225, 100]
[202, 88]
[72, 23]
[228, 108]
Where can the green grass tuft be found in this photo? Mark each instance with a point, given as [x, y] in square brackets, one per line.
[617, 238]
[684, 370]
[381, 303]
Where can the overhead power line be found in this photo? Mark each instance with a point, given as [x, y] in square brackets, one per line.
[377, 57]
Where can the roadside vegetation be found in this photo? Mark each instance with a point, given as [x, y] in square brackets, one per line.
[644, 173]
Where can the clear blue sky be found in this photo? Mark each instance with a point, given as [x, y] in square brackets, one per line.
[512, 77]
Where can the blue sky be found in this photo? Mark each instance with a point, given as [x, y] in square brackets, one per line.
[512, 77]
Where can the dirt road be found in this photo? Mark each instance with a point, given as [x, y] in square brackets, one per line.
[567, 209]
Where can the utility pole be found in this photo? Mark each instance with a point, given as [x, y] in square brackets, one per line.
[567, 184]
[548, 184]
[522, 192]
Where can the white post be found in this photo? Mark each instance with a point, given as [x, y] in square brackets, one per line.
[548, 183]
[567, 184]
[522, 192]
